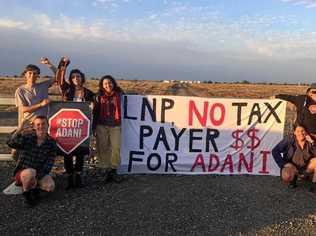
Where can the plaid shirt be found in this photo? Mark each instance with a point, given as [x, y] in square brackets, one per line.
[39, 157]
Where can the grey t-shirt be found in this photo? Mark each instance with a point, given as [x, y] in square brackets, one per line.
[25, 96]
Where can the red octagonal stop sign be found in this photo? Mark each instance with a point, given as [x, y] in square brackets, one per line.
[70, 128]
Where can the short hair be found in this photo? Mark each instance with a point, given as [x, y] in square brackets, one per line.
[41, 118]
[83, 77]
[31, 67]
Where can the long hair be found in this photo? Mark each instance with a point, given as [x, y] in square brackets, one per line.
[83, 78]
[116, 88]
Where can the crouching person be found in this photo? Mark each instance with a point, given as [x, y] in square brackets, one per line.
[37, 152]
[296, 157]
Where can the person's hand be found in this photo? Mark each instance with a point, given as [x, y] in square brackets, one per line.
[25, 127]
[44, 102]
[64, 62]
[45, 61]
[23, 124]
[309, 139]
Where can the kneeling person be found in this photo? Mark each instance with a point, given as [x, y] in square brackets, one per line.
[296, 156]
[37, 152]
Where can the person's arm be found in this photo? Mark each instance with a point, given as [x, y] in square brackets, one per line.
[312, 145]
[278, 150]
[61, 71]
[50, 161]
[16, 139]
[295, 99]
[34, 107]
[46, 61]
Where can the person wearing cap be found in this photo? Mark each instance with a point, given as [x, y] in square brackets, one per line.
[31, 98]
[296, 156]
[305, 108]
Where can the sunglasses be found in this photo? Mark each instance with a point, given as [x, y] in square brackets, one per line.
[313, 92]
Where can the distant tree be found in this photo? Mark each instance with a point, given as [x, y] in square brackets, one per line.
[245, 82]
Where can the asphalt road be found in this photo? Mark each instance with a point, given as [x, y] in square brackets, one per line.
[163, 205]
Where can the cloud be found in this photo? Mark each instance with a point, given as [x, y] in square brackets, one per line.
[111, 4]
[7, 23]
[305, 3]
[180, 36]
[199, 29]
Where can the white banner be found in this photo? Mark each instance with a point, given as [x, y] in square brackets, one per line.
[191, 135]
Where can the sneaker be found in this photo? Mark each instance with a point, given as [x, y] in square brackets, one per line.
[116, 178]
[29, 198]
[78, 181]
[312, 188]
[36, 193]
[108, 176]
[70, 184]
[293, 183]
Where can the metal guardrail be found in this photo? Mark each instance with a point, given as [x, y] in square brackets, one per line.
[6, 129]
[7, 101]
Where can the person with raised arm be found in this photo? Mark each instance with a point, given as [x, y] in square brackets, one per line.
[73, 90]
[31, 98]
[305, 108]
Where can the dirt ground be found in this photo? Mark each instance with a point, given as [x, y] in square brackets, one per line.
[165, 204]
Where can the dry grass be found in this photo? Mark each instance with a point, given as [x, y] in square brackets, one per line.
[9, 85]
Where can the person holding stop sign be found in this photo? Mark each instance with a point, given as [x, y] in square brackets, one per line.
[73, 90]
[107, 126]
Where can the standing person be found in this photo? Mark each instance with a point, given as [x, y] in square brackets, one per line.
[305, 108]
[296, 155]
[37, 152]
[31, 98]
[107, 126]
[74, 90]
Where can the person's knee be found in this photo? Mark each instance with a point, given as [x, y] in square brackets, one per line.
[28, 174]
[48, 186]
[287, 176]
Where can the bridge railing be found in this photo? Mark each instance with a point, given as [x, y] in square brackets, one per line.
[6, 129]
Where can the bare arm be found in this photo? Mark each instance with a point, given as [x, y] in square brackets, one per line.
[34, 107]
[46, 61]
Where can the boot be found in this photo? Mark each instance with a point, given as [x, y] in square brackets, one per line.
[36, 193]
[115, 177]
[107, 176]
[70, 182]
[312, 188]
[293, 183]
[78, 181]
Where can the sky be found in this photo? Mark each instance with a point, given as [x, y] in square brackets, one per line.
[217, 40]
